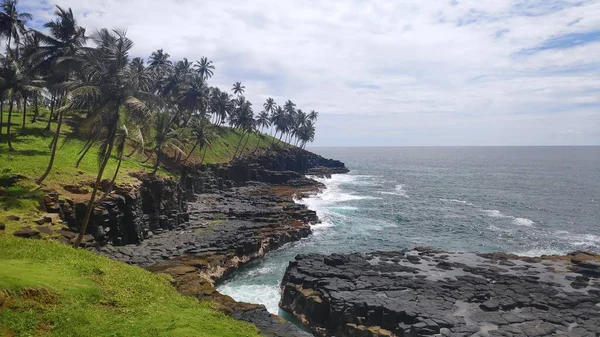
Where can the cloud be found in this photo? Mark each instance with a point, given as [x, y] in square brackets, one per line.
[462, 72]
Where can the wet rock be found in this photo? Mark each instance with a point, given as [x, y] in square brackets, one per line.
[2, 226]
[490, 306]
[12, 218]
[417, 295]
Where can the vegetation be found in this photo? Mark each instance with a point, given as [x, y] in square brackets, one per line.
[160, 108]
[49, 289]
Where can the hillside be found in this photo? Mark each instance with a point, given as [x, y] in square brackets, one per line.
[50, 289]
[19, 194]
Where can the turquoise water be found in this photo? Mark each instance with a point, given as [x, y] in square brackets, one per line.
[524, 200]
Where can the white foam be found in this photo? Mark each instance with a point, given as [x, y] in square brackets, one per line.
[523, 222]
[399, 191]
[464, 202]
[494, 213]
[539, 252]
[345, 208]
[587, 240]
[254, 293]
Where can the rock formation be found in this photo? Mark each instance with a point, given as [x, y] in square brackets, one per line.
[424, 292]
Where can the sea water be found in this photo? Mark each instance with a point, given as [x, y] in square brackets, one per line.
[524, 200]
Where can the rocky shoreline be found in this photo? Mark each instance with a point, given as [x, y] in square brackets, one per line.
[233, 214]
[423, 292]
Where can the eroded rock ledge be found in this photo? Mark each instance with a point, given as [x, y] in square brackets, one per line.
[424, 292]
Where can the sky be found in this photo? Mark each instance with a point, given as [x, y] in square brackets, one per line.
[387, 72]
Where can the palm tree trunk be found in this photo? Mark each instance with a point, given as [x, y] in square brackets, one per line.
[52, 99]
[90, 205]
[189, 154]
[204, 154]
[257, 143]
[36, 112]
[246, 143]
[86, 148]
[157, 160]
[10, 109]
[24, 112]
[114, 178]
[53, 153]
[237, 147]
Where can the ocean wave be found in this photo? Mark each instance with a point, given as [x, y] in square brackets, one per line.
[523, 222]
[398, 190]
[254, 293]
[494, 213]
[464, 202]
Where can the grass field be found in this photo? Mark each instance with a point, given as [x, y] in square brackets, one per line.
[50, 289]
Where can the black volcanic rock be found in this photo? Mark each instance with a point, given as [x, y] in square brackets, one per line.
[424, 293]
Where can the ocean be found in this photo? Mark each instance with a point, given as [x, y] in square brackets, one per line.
[524, 200]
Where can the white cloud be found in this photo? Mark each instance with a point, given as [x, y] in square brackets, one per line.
[388, 72]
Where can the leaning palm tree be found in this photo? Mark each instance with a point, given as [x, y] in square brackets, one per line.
[59, 57]
[12, 23]
[238, 88]
[262, 121]
[105, 89]
[204, 67]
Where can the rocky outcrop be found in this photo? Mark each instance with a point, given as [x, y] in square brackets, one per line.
[129, 214]
[424, 292]
[226, 230]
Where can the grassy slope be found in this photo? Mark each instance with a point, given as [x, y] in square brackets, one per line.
[57, 291]
[32, 155]
[50, 289]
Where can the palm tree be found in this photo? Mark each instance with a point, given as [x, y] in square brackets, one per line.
[159, 62]
[270, 106]
[205, 68]
[242, 118]
[202, 134]
[313, 116]
[14, 80]
[104, 89]
[290, 111]
[263, 121]
[12, 23]
[238, 88]
[221, 105]
[59, 57]
[306, 133]
[139, 74]
[278, 119]
[166, 135]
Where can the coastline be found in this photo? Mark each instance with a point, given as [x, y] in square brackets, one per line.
[237, 215]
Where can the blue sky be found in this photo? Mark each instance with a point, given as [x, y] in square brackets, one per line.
[386, 72]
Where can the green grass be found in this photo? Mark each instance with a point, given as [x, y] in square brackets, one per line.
[50, 289]
[32, 154]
